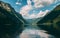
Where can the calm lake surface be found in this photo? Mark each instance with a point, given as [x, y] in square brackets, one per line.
[32, 31]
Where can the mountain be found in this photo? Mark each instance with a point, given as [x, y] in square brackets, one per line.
[51, 22]
[11, 22]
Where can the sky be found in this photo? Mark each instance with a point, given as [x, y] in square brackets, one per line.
[31, 9]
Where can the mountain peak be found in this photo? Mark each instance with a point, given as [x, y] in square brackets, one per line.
[6, 6]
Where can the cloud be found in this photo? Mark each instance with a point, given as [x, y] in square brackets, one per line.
[42, 13]
[28, 2]
[24, 11]
[18, 3]
[42, 3]
[32, 16]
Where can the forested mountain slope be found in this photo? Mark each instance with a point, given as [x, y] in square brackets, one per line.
[51, 22]
[11, 22]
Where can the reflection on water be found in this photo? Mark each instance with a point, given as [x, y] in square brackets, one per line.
[31, 32]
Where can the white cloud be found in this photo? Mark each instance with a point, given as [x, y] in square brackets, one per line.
[40, 14]
[18, 3]
[42, 3]
[28, 2]
[24, 11]
[32, 16]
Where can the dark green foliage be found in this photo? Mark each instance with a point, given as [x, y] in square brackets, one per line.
[52, 22]
[10, 23]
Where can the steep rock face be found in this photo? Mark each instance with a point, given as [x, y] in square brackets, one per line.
[51, 22]
[11, 23]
